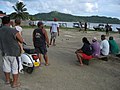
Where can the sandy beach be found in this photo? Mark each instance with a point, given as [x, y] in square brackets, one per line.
[64, 72]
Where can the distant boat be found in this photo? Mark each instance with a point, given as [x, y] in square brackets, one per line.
[100, 27]
[118, 29]
[76, 25]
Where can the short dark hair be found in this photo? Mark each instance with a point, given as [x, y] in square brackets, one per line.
[39, 23]
[5, 20]
[18, 21]
[85, 40]
[102, 37]
[111, 38]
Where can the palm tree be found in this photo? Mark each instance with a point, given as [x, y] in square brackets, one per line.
[20, 11]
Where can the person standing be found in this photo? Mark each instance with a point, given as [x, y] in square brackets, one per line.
[9, 38]
[54, 30]
[40, 39]
[104, 46]
[107, 28]
[19, 29]
[85, 27]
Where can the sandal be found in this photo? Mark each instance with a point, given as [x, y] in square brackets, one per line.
[47, 64]
[8, 82]
[16, 85]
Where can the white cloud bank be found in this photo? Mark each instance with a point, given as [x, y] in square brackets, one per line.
[110, 8]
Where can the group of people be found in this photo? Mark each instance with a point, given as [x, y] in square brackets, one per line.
[96, 49]
[107, 29]
[40, 39]
[11, 46]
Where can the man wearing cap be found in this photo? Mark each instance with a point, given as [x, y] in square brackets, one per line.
[40, 39]
[54, 30]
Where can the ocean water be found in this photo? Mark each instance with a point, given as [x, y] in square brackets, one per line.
[89, 25]
[70, 24]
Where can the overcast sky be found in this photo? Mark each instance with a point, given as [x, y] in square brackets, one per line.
[109, 8]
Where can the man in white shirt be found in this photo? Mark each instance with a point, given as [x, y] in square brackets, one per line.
[54, 30]
[104, 46]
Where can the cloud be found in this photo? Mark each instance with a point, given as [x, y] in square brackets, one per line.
[91, 7]
[75, 7]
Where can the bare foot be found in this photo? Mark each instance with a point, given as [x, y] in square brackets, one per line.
[81, 64]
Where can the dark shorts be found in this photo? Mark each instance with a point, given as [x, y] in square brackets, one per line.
[41, 50]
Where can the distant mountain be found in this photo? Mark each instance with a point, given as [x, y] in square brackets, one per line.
[70, 18]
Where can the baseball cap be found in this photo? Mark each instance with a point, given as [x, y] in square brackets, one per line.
[94, 39]
[55, 19]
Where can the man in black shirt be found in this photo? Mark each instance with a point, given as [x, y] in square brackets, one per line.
[85, 52]
[40, 39]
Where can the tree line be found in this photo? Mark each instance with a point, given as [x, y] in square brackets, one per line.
[21, 12]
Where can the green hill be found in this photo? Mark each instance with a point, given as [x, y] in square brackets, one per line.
[70, 18]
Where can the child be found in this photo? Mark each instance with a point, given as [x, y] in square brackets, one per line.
[18, 28]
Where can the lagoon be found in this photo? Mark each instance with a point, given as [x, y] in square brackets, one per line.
[90, 25]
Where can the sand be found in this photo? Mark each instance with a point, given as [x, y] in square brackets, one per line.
[64, 72]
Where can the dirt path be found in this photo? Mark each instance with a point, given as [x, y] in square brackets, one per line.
[64, 73]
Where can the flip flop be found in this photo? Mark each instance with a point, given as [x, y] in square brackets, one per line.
[8, 82]
[47, 64]
[16, 85]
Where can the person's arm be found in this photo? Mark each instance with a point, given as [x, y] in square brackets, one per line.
[33, 36]
[101, 45]
[19, 37]
[58, 30]
[78, 51]
[46, 37]
[50, 29]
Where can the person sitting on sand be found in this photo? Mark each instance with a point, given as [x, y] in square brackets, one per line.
[114, 48]
[85, 53]
[104, 46]
[96, 47]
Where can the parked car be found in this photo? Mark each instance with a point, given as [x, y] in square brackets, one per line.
[100, 27]
[76, 25]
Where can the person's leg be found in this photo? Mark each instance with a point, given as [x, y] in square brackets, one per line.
[50, 40]
[15, 80]
[40, 58]
[54, 38]
[54, 42]
[79, 58]
[7, 77]
[38, 51]
[6, 69]
[46, 59]
[15, 70]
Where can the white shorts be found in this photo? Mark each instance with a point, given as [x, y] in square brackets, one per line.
[10, 64]
[53, 35]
